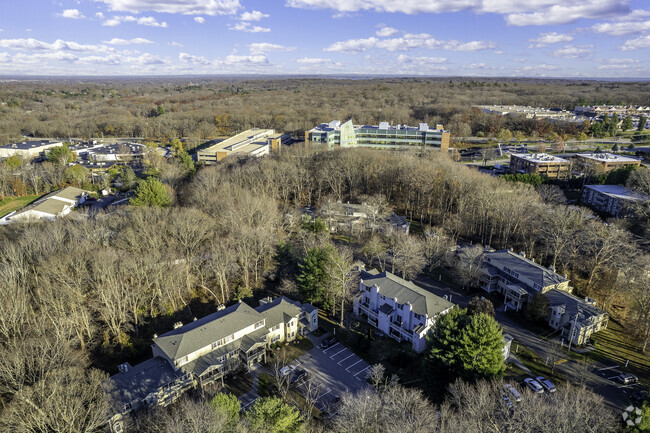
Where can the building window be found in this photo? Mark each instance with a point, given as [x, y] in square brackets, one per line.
[216, 344]
[229, 338]
[537, 287]
[259, 324]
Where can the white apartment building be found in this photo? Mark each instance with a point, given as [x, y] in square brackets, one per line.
[398, 308]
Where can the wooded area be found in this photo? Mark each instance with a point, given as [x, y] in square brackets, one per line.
[208, 107]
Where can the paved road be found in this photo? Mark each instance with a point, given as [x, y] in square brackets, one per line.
[596, 376]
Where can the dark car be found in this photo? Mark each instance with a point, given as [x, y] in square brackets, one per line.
[330, 341]
[639, 397]
[627, 378]
[298, 375]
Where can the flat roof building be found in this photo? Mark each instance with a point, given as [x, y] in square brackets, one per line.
[614, 200]
[28, 149]
[544, 164]
[380, 136]
[253, 142]
[54, 205]
[606, 162]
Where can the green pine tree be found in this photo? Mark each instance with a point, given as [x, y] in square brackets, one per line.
[312, 279]
[270, 414]
[151, 192]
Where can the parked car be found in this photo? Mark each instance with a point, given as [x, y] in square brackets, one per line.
[286, 370]
[513, 392]
[534, 385]
[627, 378]
[506, 400]
[329, 341]
[548, 386]
[298, 375]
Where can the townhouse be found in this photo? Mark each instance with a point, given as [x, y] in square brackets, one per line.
[518, 279]
[201, 352]
[398, 308]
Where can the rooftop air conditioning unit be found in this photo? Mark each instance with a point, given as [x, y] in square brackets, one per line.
[178, 325]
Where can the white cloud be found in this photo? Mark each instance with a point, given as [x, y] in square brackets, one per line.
[118, 41]
[636, 44]
[478, 66]
[58, 45]
[407, 42]
[616, 67]
[175, 44]
[252, 60]
[199, 20]
[99, 15]
[635, 15]
[253, 16]
[574, 52]
[542, 67]
[72, 13]
[316, 61]
[143, 21]
[186, 7]
[197, 60]
[621, 28]
[246, 26]
[517, 12]
[386, 31]
[545, 39]
[263, 47]
[421, 60]
[352, 46]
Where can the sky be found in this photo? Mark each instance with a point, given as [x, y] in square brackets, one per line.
[522, 38]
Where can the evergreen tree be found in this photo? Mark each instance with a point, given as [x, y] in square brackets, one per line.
[312, 280]
[642, 120]
[272, 415]
[469, 346]
[627, 123]
[227, 404]
[151, 192]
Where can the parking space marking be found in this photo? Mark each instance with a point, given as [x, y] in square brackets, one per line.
[361, 372]
[248, 404]
[348, 369]
[334, 345]
[608, 368]
[343, 360]
[323, 395]
[612, 378]
[342, 350]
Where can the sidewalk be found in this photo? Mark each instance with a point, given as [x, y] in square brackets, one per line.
[519, 364]
[252, 395]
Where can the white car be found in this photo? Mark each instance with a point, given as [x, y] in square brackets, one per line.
[513, 392]
[534, 385]
[548, 386]
[284, 371]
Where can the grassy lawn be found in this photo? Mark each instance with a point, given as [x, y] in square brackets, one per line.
[536, 364]
[11, 204]
[240, 384]
[614, 345]
[293, 350]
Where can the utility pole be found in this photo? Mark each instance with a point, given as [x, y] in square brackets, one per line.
[575, 321]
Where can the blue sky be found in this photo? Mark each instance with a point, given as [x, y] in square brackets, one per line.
[534, 38]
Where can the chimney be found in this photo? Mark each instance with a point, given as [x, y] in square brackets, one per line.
[123, 368]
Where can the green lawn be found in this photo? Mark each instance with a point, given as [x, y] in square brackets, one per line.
[293, 350]
[614, 345]
[11, 204]
[536, 364]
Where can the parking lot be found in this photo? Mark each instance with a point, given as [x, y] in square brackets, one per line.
[334, 370]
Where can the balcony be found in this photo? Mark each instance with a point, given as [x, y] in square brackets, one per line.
[397, 327]
[366, 309]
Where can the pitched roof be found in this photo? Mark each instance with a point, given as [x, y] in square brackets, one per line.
[143, 379]
[422, 301]
[572, 304]
[280, 310]
[201, 333]
[526, 268]
[69, 193]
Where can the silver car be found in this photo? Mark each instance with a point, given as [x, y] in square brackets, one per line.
[548, 386]
[513, 392]
[534, 385]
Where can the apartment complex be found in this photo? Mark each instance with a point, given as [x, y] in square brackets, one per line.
[544, 164]
[380, 136]
[606, 162]
[551, 114]
[398, 308]
[518, 279]
[203, 351]
[614, 200]
[253, 142]
[28, 149]
[54, 205]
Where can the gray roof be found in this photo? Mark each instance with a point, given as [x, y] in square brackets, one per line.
[572, 304]
[201, 364]
[30, 144]
[386, 309]
[281, 310]
[526, 268]
[205, 331]
[49, 203]
[422, 301]
[142, 379]
[70, 193]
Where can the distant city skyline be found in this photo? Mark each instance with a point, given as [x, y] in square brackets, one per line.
[482, 38]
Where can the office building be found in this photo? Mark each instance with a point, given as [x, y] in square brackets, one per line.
[28, 149]
[253, 142]
[606, 162]
[544, 164]
[382, 136]
[615, 200]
